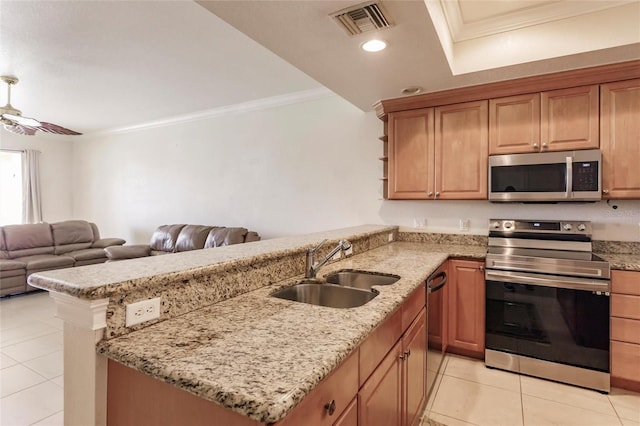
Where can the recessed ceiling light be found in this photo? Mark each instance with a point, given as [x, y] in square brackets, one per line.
[373, 45]
[412, 90]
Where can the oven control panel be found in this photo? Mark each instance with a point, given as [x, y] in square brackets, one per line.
[540, 226]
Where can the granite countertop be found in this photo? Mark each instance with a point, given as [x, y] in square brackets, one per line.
[260, 355]
[623, 262]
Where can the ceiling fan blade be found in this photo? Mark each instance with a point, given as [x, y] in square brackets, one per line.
[20, 129]
[54, 128]
[25, 121]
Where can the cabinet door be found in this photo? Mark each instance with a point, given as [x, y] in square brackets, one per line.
[569, 119]
[414, 345]
[461, 151]
[514, 124]
[466, 307]
[411, 154]
[350, 415]
[620, 139]
[379, 399]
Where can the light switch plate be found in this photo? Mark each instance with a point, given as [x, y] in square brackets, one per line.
[145, 310]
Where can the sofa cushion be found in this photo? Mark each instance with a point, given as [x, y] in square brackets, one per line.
[127, 252]
[225, 236]
[164, 238]
[71, 235]
[107, 242]
[11, 265]
[192, 237]
[28, 236]
[46, 261]
[88, 254]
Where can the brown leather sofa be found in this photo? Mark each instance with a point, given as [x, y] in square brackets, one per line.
[177, 238]
[29, 248]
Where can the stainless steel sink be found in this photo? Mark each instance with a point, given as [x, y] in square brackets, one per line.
[331, 295]
[360, 279]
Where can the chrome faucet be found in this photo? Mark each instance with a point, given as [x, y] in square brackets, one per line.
[311, 267]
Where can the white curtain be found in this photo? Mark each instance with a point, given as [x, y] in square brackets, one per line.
[31, 198]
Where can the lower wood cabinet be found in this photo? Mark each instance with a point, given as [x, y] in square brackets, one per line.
[625, 330]
[396, 391]
[350, 415]
[466, 293]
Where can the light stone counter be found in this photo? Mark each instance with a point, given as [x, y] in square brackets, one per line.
[260, 355]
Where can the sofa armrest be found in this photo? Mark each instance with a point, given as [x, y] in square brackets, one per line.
[107, 242]
[127, 252]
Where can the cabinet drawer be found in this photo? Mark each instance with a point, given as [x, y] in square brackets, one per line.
[625, 306]
[341, 386]
[379, 342]
[625, 360]
[412, 306]
[625, 282]
[625, 330]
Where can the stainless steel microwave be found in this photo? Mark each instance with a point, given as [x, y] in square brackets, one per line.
[546, 176]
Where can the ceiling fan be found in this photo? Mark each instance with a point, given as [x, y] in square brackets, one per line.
[14, 121]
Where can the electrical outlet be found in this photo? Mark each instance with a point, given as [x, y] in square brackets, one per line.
[464, 225]
[145, 310]
[390, 236]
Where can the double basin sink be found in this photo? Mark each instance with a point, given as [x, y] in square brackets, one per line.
[340, 289]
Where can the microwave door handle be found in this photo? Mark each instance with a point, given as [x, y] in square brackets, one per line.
[569, 192]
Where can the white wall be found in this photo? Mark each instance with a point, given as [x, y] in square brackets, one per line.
[285, 170]
[55, 170]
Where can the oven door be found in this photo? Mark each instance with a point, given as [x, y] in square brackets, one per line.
[552, 318]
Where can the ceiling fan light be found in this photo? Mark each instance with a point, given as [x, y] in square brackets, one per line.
[373, 45]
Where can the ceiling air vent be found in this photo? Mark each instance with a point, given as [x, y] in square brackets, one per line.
[361, 18]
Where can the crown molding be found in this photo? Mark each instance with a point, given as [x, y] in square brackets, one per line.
[240, 108]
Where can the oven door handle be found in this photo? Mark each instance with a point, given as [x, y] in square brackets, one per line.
[549, 280]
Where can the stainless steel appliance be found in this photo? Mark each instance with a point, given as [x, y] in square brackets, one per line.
[436, 325]
[546, 177]
[547, 302]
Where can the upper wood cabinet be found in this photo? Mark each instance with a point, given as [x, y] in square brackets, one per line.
[410, 154]
[558, 120]
[461, 151]
[620, 139]
[514, 124]
[446, 160]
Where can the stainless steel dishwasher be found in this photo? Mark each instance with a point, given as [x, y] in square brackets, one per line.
[436, 324]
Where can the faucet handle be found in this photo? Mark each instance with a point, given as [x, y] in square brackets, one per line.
[313, 250]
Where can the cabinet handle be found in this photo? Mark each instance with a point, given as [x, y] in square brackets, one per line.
[430, 194]
[437, 194]
[605, 191]
[330, 407]
[535, 146]
[481, 268]
[544, 145]
[407, 353]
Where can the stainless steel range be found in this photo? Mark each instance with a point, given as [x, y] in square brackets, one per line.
[547, 302]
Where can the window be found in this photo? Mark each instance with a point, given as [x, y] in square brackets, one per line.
[10, 187]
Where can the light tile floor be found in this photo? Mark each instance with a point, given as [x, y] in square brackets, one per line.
[31, 366]
[468, 393]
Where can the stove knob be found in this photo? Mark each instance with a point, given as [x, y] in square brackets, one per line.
[495, 225]
[582, 227]
[508, 225]
[567, 227]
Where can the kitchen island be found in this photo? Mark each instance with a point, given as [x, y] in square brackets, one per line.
[251, 353]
